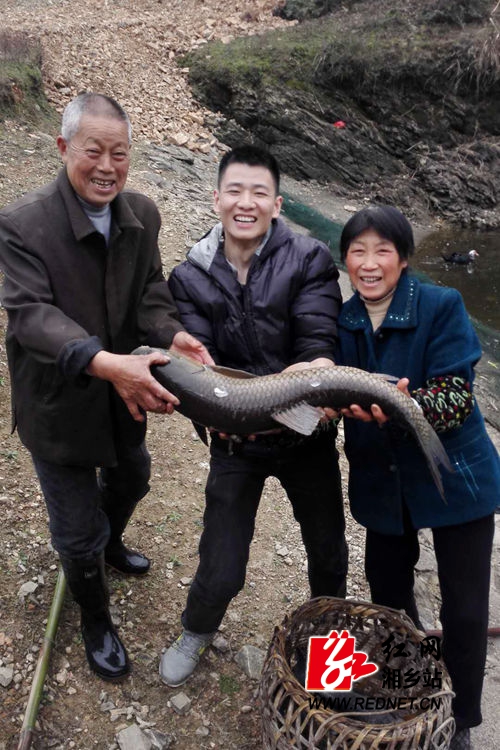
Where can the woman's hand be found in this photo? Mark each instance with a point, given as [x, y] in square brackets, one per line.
[375, 414]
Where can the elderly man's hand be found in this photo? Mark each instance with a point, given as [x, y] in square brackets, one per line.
[185, 344]
[131, 377]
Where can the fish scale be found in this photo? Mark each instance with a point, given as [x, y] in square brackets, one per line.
[239, 403]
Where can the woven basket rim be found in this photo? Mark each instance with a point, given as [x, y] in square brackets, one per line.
[285, 685]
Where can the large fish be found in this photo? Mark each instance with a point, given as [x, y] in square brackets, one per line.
[237, 402]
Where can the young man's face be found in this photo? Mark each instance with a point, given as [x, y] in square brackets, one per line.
[246, 202]
[97, 158]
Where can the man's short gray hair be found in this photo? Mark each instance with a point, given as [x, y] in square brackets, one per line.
[88, 103]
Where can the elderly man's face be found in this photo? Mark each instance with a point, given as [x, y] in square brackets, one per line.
[97, 158]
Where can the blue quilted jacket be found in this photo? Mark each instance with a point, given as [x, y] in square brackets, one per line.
[426, 333]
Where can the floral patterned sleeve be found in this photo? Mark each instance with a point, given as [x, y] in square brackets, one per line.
[446, 401]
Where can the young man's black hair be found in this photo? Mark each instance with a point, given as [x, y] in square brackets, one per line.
[254, 156]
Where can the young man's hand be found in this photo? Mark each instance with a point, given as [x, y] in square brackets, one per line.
[329, 413]
[185, 344]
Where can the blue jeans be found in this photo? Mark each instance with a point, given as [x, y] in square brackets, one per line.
[74, 495]
[309, 473]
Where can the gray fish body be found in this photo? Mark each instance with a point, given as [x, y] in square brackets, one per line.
[235, 402]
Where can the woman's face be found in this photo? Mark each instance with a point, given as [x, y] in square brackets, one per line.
[373, 264]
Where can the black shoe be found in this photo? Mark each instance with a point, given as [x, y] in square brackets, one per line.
[126, 561]
[461, 740]
[105, 652]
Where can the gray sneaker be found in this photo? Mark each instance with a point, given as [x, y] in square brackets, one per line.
[180, 660]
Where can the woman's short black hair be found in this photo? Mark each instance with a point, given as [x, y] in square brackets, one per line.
[387, 221]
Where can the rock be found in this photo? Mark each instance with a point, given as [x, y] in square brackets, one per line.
[180, 703]
[26, 589]
[251, 660]
[6, 675]
[159, 740]
[115, 713]
[62, 676]
[186, 581]
[180, 139]
[132, 738]
[220, 644]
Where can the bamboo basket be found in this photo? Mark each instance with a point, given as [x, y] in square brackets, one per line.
[290, 721]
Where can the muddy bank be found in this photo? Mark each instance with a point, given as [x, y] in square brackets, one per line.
[396, 103]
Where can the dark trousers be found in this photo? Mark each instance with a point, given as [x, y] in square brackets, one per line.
[310, 475]
[463, 554]
[84, 504]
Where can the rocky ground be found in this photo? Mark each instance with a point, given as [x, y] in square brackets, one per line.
[114, 48]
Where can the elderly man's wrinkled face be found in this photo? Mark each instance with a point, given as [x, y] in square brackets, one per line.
[97, 158]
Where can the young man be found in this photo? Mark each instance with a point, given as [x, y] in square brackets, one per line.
[262, 299]
[83, 286]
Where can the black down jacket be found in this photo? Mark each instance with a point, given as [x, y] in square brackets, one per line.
[285, 313]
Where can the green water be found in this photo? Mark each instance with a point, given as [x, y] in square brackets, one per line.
[318, 225]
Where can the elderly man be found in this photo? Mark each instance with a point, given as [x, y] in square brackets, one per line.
[83, 286]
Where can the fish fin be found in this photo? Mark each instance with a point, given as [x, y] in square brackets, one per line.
[201, 432]
[302, 418]
[229, 372]
[436, 456]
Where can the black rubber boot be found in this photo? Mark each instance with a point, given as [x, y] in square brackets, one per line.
[105, 652]
[125, 560]
[116, 554]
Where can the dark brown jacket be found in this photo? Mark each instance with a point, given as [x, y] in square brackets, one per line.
[69, 296]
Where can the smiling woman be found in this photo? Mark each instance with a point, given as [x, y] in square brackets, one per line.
[421, 335]
[374, 265]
